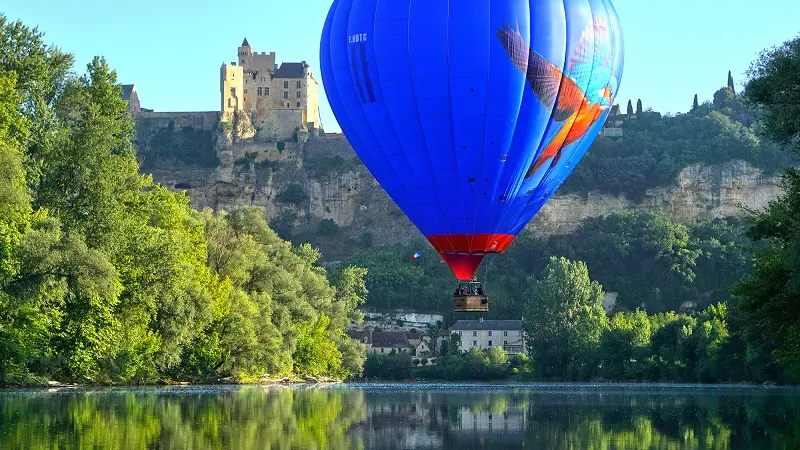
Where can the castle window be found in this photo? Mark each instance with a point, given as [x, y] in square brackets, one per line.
[254, 77]
[298, 104]
[245, 91]
[298, 94]
[285, 94]
[259, 91]
[299, 84]
[286, 85]
[266, 91]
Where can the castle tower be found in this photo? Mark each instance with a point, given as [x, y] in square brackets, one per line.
[231, 79]
[245, 53]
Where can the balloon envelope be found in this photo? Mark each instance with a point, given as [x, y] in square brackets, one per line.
[471, 113]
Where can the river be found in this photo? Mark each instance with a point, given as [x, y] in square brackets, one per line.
[403, 416]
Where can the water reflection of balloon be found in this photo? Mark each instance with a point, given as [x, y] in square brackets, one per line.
[471, 114]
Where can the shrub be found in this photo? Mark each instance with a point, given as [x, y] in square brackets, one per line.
[327, 227]
[294, 194]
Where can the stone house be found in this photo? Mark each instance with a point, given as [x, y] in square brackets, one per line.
[485, 334]
[384, 342]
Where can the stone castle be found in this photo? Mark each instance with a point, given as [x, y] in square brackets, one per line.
[279, 100]
[264, 100]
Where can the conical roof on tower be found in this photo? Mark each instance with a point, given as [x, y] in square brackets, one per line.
[245, 43]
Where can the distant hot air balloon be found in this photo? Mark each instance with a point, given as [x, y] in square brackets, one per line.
[471, 113]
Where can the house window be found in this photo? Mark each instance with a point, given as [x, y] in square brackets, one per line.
[285, 94]
[490, 343]
[259, 91]
[286, 85]
[474, 333]
[505, 343]
[299, 84]
[459, 343]
[266, 91]
[505, 333]
[381, 350]
[474, 343]
[490, 333]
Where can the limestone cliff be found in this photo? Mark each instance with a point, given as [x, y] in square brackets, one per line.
[302, 181]
[701, 191]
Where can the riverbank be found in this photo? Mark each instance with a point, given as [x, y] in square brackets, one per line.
[286, 381]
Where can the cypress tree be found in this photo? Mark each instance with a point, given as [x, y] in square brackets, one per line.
[638, 106]
[630, 108]
[730, 83]
[695, 105]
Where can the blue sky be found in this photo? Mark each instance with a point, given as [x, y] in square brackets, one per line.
[172, 50]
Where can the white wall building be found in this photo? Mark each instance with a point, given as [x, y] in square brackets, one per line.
[485, 334]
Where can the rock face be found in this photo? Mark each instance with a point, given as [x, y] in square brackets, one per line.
[702, 191]
[304, 181]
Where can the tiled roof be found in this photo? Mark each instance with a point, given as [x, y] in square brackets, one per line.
[291, 70]
[387, 339]
[127, 90]
[390, 339]
[469, 325]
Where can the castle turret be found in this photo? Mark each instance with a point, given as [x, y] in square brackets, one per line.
[231, 87]
[245, 53]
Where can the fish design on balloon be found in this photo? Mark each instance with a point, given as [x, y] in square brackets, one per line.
[577, 96]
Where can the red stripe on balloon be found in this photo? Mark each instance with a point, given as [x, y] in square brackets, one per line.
[464, 252]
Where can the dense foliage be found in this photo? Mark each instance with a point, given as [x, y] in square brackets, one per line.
[108, 277]
[570, 337]
[650, 261]
[770, 297]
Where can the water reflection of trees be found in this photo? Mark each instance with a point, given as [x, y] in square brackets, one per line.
[653, 420]
[250, 417]
[256, 417]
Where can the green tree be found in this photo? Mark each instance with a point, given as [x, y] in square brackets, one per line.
[564, 320]
[695, 104]
[731, 86]
[625, 346]
[630, 108]
[769, 298]
[316, 353]
[639, 110]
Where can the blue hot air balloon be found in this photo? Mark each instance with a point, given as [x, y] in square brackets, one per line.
[471, 113]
